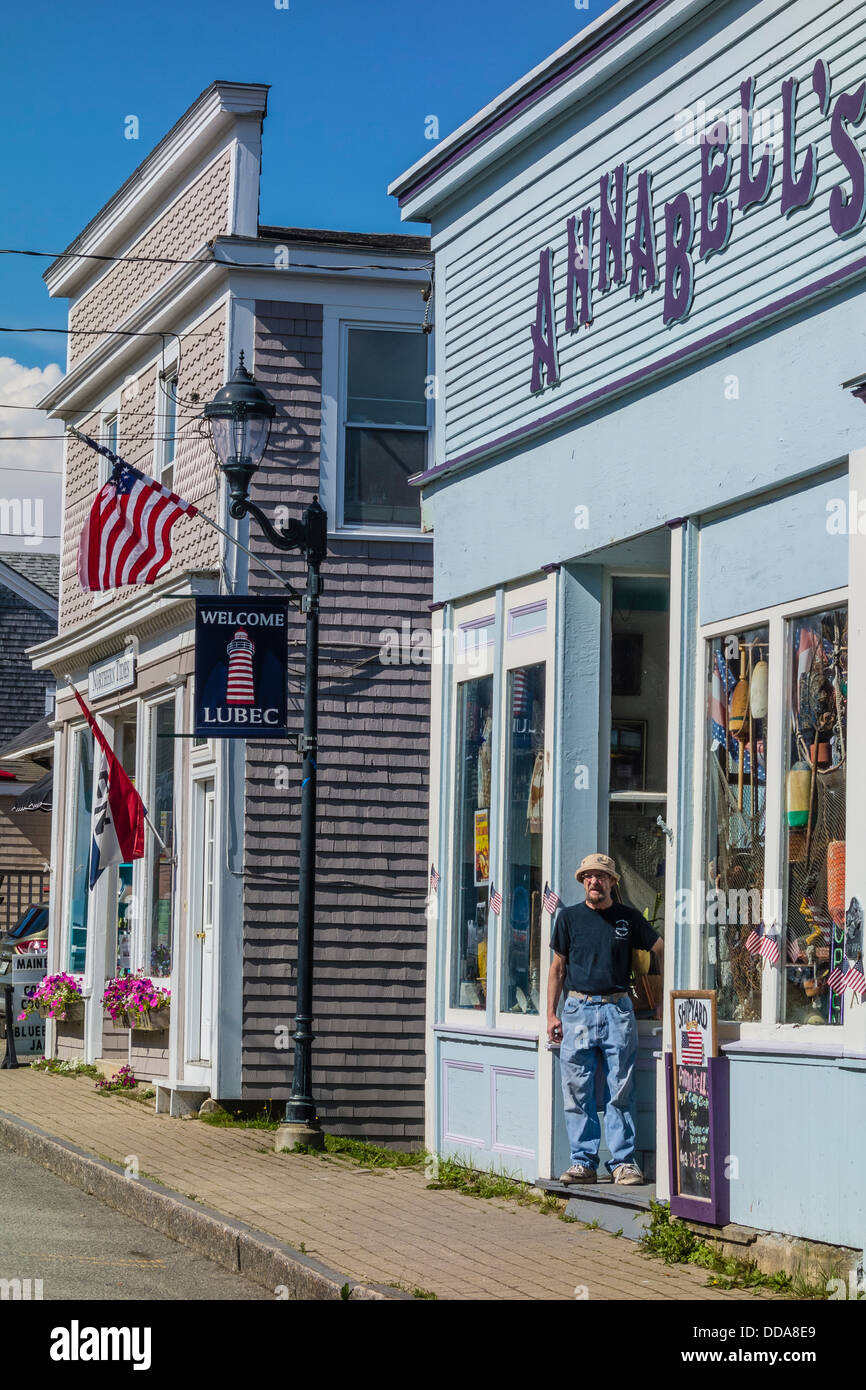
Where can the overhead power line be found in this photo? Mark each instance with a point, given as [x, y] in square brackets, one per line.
[201, 260]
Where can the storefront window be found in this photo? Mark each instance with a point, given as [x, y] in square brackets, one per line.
[126, 735]
[732, 901]
[79, 886]
[814, 853]
[161, 812]
[472, 846]
[524, 816]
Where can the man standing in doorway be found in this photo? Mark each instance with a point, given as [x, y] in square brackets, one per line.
[592, 945]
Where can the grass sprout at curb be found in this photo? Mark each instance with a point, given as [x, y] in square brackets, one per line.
[221, 1120]
[415, 1290]
[672, 1241]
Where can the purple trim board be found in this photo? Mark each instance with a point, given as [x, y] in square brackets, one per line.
[662, 364]
[535, 94]
[716, 1211]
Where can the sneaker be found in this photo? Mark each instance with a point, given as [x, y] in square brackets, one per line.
[578, 1172]
[628, 1174]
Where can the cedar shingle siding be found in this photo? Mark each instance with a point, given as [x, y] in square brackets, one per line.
[22, 690]
[373, 758]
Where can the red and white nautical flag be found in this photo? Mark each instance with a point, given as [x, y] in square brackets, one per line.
[118, 810]
[127, 536]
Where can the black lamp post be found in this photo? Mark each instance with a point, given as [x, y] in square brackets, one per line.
[239, 417]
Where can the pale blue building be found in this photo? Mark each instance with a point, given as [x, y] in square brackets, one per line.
[646, 498]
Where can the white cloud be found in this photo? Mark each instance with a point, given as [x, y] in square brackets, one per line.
[31, 468]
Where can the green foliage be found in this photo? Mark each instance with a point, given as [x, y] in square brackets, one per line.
[672, 1241]
[67, 1067]
[373, 1155]
[345, 1291]
[222, 1120]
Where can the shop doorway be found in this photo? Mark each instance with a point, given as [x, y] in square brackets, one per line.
[202, 921]
[637, 800]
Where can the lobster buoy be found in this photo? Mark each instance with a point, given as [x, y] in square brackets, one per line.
[798, 794]
[836, 881]
[738, 714]
[759, 690]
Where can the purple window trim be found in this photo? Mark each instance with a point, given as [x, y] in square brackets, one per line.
[485, 625]
[483, 1034]
[745, 324]
[539, 607]
[496, 1071]
[536, 94]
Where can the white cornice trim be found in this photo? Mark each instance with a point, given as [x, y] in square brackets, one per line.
[214, 115]
[146, 615]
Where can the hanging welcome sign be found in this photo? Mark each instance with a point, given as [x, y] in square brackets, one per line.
[241, 661]
[730, 185]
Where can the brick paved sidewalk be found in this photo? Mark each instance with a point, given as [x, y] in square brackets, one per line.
[379, 1226]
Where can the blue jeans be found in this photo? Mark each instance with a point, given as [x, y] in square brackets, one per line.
[590, 1030]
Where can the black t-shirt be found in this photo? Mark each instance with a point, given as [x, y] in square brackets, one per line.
[597, 944]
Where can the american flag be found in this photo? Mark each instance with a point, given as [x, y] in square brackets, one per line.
[836, 980]
[552, 902]
[692, 1045]
[721, 689]
[495, 901]
[768, 945]
[520, 694]
[126, 538]
[854, 979]
[793, 947]
[752, 942]
[434, 878]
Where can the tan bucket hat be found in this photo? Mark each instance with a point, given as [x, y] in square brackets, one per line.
[597, 863]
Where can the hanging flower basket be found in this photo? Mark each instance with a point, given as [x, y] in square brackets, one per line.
[73, 1013]
[153, 1020]
[136, 1002]
[57, 997]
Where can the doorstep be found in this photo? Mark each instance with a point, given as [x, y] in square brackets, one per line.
[612, 1206]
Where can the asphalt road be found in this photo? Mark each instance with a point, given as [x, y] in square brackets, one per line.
[83, 1250]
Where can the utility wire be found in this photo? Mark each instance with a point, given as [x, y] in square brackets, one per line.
[201, 260]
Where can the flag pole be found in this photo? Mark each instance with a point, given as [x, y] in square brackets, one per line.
[216, 526]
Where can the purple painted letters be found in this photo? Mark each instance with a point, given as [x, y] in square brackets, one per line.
[679, 272]
[612, 229]
[715, 178]
[642, 244]
[544, 329]
[579, 272]
[798, 190]
[847, 212]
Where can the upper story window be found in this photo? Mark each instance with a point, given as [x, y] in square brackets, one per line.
[167, 432]
[385, 426]
[109, 436]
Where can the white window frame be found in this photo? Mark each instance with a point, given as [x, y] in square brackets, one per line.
[535, 648]
[73, 758]
[337, 322]
[141, 935]
[164, 456]
[817, 1038]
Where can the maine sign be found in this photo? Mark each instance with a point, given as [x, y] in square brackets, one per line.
[241, 659]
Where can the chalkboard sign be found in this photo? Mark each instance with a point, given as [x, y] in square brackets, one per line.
[698, 1106]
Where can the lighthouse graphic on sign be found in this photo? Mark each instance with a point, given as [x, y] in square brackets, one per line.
[239, 682]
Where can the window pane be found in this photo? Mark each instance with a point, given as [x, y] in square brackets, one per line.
[79, 890]
[161, 811]
[128, 731]
[815, 815]
[378, 466]
[386, 378]
[472, 847]
[524, 814]
[170, 419]
[734, 904]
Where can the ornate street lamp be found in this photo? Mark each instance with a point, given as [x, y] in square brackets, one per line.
[239, 418]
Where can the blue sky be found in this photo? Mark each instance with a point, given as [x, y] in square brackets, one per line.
[352, 82]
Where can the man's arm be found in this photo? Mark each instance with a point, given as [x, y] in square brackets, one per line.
[658, 951]
[555, 981]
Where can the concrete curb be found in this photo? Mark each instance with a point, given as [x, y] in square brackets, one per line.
[234, 1245]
